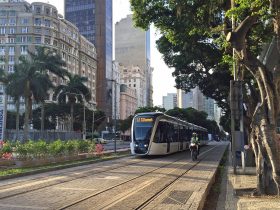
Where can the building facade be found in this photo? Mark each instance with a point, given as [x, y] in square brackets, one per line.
[169, 101]
[198, 101]
[116, 90]
[94, 20]
[24, 26]
[134, 77]
[132, 48]
[128, 101]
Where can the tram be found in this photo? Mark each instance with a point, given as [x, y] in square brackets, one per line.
[156, 133]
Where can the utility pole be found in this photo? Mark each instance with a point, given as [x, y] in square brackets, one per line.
[84, 122]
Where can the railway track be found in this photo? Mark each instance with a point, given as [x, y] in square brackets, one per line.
[151, 169]
[122, 196]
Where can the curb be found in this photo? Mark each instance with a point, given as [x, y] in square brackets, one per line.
[210, 183]
[61, 167]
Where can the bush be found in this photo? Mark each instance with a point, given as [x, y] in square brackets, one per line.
[71, 147]
[40, 149]
[7, 148]
[83, 146]
[21, 151]
[56, 148]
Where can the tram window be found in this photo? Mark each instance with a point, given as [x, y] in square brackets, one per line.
[161, 133]
[175, 133]
[189, 134]
[170, 132]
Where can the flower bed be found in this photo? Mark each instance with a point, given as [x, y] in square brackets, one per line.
[41, 153]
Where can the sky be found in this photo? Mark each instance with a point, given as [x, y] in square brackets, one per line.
[163, 82]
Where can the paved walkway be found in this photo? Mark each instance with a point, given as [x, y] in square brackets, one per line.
[235, 192]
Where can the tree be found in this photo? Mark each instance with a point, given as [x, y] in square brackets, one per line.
[149, 109]
[74, 90]
[33, 75]
[197, 40]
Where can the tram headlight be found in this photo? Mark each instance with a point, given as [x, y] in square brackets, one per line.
[136, 145]
[145, 145]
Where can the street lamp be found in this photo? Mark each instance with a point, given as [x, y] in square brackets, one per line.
[115, 115]
[92, 126]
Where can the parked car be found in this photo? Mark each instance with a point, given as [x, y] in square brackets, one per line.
[100, 141]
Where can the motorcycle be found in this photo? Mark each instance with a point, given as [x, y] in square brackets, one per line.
[194, 151]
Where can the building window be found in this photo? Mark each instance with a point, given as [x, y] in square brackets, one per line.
[12, 30]
[24, 21]
[11, 50]
[2, 50]
[3, 21]
[38, 9]
[11, 40]
[37, 21]
[12, 13]
[38, 30]
[11, 68]
[11, 59]
[23, 49]
[47, 32]
[24, 30]
[38, 40]
[47, 11]
[12, 21]
[23, 39]
[47, 23]
[2, 30]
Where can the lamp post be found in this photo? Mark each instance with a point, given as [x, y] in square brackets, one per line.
[92, 126]
[115, 114]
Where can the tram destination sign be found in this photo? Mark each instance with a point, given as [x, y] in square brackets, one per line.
[144, 119]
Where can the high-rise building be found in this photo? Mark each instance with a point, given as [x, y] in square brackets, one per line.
[24, 26]
[94, 20]
[169, 101]
[195, 99]
[132, 48]
[128, 102]
[134, 77]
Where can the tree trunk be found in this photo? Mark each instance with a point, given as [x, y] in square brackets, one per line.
[27, 112]
[72, 117]
[17, 117]
[42, 116]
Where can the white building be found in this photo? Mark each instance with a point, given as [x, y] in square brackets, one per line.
[169, 101]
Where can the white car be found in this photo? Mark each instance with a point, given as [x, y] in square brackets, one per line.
[100, 141]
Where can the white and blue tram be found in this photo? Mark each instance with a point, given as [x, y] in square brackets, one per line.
[156, 133]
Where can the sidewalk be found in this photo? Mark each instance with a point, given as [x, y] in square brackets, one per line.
[236, 189]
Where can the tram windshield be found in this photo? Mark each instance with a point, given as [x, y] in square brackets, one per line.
[143, 128]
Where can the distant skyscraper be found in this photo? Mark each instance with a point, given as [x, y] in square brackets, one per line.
[133, 49]
[169, 101]
[198, 101]
[94, 20]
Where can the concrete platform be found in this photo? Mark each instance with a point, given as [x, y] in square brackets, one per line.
[235, 192]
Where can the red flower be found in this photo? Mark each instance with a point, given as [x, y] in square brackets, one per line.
[7, 156]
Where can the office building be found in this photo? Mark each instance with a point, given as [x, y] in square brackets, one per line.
[132, 48]
[94, 20]
[128, 102]
[169, 101]
[134, 77]
[24, 26]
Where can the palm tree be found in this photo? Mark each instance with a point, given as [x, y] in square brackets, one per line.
[15, 90]
[74, 90]
[34, 77]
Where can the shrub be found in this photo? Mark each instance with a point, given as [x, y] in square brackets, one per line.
[71, 147]
[56, 148]
[83, 146]
[21, 151]
[7, 148]
[40, 149]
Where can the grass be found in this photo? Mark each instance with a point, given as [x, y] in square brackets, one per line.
[68, 164]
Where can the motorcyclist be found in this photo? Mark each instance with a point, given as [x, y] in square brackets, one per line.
[195, 141]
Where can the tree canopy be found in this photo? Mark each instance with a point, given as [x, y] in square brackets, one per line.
[198, 38]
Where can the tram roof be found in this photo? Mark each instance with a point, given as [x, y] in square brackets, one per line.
[177, 119]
